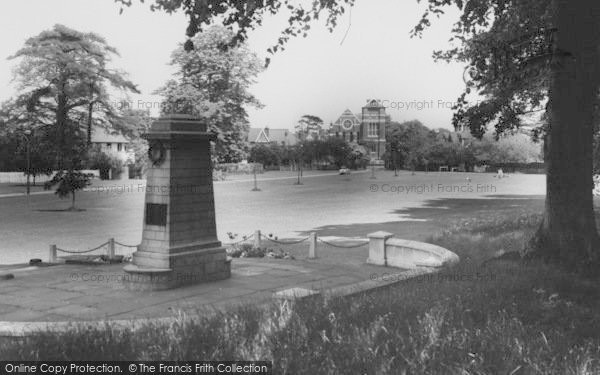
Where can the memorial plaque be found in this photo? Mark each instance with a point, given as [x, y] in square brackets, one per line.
[156, 214]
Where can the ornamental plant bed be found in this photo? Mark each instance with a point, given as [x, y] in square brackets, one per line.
[249, 251]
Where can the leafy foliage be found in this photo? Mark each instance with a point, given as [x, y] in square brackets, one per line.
[68, 182]
[508, 46]
[309, 126]
[316, 152]
[13, 153]
[98, 159]
[213, 84]
[239, 17]
[417, 147]
[516, 148]
[267, 154]
[62, 77]
[133, 124]
[408, 143]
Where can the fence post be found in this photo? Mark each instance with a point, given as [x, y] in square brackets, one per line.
[52, 254]
[312, 243]
[377, 249]
[257, 243]
[111, 248]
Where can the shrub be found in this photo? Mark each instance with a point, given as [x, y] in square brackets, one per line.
[246, 250]
[97, 159]
[69, 182]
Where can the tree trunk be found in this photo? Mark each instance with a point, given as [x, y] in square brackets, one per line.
[568, 231]
[73, 200]
[61, 123]
[89, 123]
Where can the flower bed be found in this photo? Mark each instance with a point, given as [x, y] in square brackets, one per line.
[249, 251]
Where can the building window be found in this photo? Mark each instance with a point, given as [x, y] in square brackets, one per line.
[373, 129]
[119, 147]
[109, 146]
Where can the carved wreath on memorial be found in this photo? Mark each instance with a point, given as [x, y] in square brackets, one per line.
[156, 152]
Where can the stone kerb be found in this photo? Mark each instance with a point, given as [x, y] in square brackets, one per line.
[386, 250]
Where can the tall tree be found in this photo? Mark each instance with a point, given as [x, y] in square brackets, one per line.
[309, 126]
[62, 77]
[409, 140]
[213, 83]
[511, 46]
[538, 55]
[517, 148]
[34, 154]
[133, 123]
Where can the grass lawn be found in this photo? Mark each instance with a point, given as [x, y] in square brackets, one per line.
[481, 317]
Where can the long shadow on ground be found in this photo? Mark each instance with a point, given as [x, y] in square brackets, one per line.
[417, 223]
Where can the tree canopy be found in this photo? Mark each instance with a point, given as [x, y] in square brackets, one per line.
[309, 126]
[62, 77]
[213, 84]
[242, 16]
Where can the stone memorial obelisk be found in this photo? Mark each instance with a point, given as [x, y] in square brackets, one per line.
[179, 240]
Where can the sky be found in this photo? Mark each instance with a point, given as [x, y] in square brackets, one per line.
[369, 56]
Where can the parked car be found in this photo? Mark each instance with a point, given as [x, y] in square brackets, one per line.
[344, 170]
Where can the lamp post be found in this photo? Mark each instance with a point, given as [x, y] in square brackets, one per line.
[299, 165]
[378, 150]
[27, 137]
[378, 141]
[255, 182]
[393, 149]
[373, 170]
[300, 152]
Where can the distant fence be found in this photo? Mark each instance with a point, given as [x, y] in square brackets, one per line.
[21, 178]
[532, 168]
[239, 168]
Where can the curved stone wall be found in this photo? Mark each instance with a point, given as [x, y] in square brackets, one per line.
[385, 250]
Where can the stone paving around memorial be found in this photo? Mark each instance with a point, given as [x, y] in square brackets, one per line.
[69, 293]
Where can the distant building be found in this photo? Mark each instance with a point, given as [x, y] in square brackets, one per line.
[366, 128]
[113, 144]
[462, 134]
[282, 137]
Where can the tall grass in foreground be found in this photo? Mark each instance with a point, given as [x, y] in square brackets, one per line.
[495, 317]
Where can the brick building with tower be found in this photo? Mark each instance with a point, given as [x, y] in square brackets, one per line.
[366, 128]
